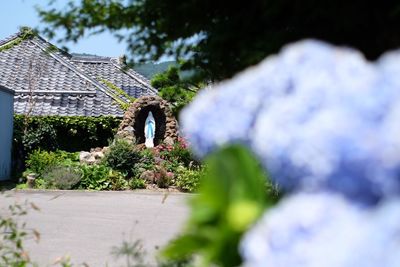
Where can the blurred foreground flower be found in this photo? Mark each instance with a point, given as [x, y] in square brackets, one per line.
[318, 117]
[317, 230]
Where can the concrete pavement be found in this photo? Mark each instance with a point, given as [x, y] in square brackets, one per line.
[86, 225]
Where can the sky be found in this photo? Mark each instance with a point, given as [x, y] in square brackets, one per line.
[16, 13]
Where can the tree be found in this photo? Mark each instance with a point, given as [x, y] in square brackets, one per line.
[219, 38]
[174, 89]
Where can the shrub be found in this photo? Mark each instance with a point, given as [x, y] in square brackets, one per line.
[147, 158]
[61, 177]
[43, 136]
[39, 161]
[188, 180]
[121, 156]
[161, 177]
[101, 177]
[94, 177]
[181, 154]
[146, 162]
[40, 183]
[178, 154]
[117, 180]
[69, 133]
[137, 183]
[73, 133]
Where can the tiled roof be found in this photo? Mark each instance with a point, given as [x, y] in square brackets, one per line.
[48, 81]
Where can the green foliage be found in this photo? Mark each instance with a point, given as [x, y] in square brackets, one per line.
[41, 137]
[173, 89]
[161, 177]
[101, 177]
[217, 39]
[134, 255]
[40, 183]
[147, 159]
[59, 132]
[117, 181]
[231, 198]
[146, 162]
[75, 133]
[136, 183]
[25, 33]
[21, 186]
[175, 156]
[61, 177]
[13, 234]
[62, 170]
[40, 161]
[94, 177]
[121, 156]
[188, 180]
[179, 154]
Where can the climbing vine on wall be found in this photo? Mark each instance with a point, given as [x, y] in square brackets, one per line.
[73, 133]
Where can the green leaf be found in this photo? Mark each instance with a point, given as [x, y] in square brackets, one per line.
[231, 198]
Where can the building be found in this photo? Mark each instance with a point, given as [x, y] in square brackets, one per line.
[50, 81]
[6, 131]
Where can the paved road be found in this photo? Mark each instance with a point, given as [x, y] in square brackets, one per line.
[86, 225]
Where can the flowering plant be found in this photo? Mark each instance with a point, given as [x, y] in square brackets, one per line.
[324, 124]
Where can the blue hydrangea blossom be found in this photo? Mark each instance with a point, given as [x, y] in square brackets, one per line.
[320, 118]
[324, 230]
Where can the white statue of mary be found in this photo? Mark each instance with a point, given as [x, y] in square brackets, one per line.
[149, 130]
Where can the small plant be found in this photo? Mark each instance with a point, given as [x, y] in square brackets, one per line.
[94, 177]
[40, 183]
[145, 163]
[13, 235]
[147, 159]
[39, 161]
[117, 180]
[133, 253]
[161, 178]
[177, 153]
[188, 180]
[101, 177]
[61, 177]
[137, 183]
[121, 156]
[231, 198]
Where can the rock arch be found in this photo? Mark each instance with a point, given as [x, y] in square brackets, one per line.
[132, 125]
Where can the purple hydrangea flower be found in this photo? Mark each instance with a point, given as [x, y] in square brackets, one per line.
[324, 230]
[319, 118]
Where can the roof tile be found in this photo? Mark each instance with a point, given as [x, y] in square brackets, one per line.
[60, 84]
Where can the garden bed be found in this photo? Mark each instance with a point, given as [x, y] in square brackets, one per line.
[121, 166]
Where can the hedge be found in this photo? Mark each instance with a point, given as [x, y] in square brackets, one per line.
[75, 133]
